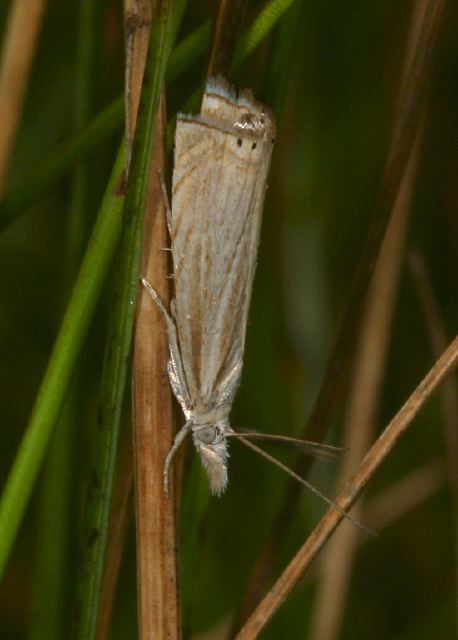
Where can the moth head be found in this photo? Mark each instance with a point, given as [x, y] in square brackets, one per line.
[254, 119]
[211, 446]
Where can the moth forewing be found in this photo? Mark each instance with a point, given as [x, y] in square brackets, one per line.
[221, 162]
[217, 195]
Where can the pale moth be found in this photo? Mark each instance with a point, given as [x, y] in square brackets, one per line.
[221, 162]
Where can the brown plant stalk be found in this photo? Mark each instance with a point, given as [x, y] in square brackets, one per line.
[138, 16]
[22, 30]
[153, 419]
[153, 430]
[349, 494]
[137, 24]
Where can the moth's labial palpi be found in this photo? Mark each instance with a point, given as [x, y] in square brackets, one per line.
[221, 162]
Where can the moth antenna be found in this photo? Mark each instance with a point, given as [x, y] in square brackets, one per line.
[165, 249]
[314, 448]
[302, 481]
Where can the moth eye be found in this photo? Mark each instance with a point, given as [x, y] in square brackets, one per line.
[206, 435]
[254, 145]
[239, 142]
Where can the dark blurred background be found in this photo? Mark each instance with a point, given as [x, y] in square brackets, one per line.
[336, 107]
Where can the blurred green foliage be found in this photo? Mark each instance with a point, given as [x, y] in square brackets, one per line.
[336, 105]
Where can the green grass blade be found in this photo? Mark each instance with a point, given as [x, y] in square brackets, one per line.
[188, 51]
[52, 583]
[32, 187]
[62, 362]
[281, 59]
[53, 538]
[260, 29]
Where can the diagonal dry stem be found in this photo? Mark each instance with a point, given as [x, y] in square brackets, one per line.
[350, 493]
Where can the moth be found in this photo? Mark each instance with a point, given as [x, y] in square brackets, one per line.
[221, 162]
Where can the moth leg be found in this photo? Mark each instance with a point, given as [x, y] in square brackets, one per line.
[180, 436]
[177, 380]
[155, 296]
[165, 196]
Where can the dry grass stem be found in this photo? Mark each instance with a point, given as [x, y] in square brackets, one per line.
[350, 493]
[154, 426]
[23, 27]
[138, 15]
[152, 402]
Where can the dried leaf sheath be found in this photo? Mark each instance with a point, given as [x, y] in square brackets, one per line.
[221, 163]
